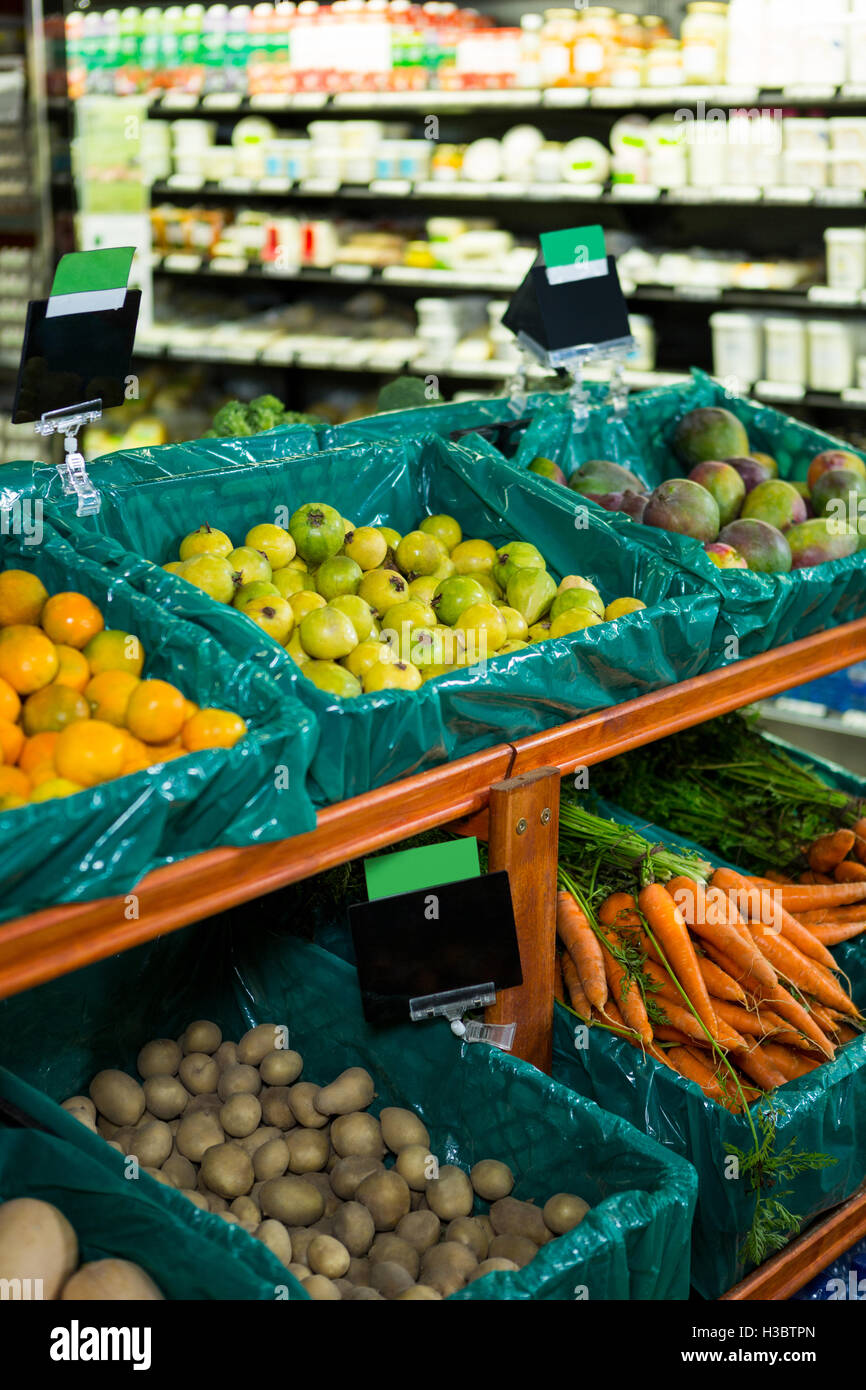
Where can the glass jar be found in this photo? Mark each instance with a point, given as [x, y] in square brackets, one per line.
[557, 48]
[594, 45]
[655, 30]
[629, 31]
[626, 68]
[704, 34]
[664, 64]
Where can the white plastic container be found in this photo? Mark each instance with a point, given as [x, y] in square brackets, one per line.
[805, 168]
[806, 133]
[737, 346]
[847, 168]
[821, 36]
[706, 143]
[785, 355]
[848, 132]
[831, 354]
[846, 257]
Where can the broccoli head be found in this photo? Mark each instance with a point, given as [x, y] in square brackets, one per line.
[405, 393]
[264, 413]
[231, 420]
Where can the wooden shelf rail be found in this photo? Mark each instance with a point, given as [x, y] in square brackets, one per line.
[791, 1269]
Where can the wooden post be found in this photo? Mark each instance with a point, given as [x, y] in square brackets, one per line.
[524, 835]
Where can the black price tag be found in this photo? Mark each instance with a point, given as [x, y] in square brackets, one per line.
[434, 942]
[576, 314]
[70, 358]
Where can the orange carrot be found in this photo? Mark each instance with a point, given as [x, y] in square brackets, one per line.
[659, 976]
[832, 915]
[680, 1017]
[847, 1034]
[757, 902]
[810, 876]
[744, 1020]
[799, 970]
[582, 944]
[558, 986]
[669, 928]
[619, 910]
[849, 872]
[783, 1003]
[766, 881]
[664, 1033]
[719, 983]
[693, 1070]
[829, 850]
[774, 876]
[760, 1069]
[725, 931]
[791, 1064]
[796, 898]
[625, 992]
[576, 994]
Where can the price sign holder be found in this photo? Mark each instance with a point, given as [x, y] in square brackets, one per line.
[570, 310]
[439, 951]
[76, 356]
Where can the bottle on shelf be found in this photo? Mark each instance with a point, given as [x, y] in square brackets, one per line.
[703, 38]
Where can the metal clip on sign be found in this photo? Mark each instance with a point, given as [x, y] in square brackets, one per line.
[453, 1004]
[73, 469]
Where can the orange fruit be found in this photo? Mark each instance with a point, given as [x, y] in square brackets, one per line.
[53, 707]
[43, 772]
[155, 712]
[89, 751]
[11, 741]
[10, 705]
[55, 786]
[14, 782]
[12, 802]
[22, 596]
[189, 709]
[72, 619]
[164, 752]
[73, 670]
[38, 749]
[213, 728]
[109, 694]
[28, 659]
[135, 754]
[113, 650]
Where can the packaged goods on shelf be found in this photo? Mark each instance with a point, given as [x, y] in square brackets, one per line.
[811, 574]
[632, 1243]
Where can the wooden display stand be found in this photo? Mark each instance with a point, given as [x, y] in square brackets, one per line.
[508, 795]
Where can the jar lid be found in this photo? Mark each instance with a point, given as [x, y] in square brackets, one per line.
[706, 7]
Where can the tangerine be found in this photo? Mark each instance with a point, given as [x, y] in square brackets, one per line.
[14, 782]
[109, 694]
[22, 596]
[52, 708]
[12, 802]
[72, 619]
[89, 751]
[28, 659]
[213, 728]
[43, 773]
[73, 670]
[11, 741]
[37, 750]
[113, 650]
[55, 786]
[155, 712]
[10, 705]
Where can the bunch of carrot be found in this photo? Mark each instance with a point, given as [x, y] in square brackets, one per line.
[731, 984]
[835, 859]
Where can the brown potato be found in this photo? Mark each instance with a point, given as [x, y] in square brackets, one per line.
[357, 1133]
[322, 1289]
[198, 1199]
[322, 1183]
[308, 1150]
[513, 1218]
[302, 1100]
[328, 1256]
[348, 1173]
[353, 1226]
[352, 1090]
[36, 1242]
[389, 1278]
[196, 1133]
[421, 1229]
[415, 1163]
[201, 1036]
[450, 1194]
[418, 1293]
[299, 1271]
[208, 1100]
[491, 1179]
[469, 1232]
[161, 1057]
[493, 1266]
[228, 1170]
[251, 1143]
[246, 1210]
[226, 1054]
[241, 1114]
[259, 1041]
[362, 1294]
[82, 1104]
[277, 1107]
[165, 1096]
[292, 1200]
[563, 1211]
[389, 1246]
[238, 1079]
[118, 1097]
[271, 1160]
[105, 1280]
[151, 1143]
[446, 1267]
[386, 1195]
[400, 1128]
[179, 1169]
[281, 1067]
[359, 1272]
[274, 1235]
[199, 1073]
[519, 1249]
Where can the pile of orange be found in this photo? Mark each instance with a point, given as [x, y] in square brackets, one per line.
[74, 708]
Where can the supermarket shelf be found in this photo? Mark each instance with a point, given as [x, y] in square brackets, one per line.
[53, 942]
[613, 99]
[346, 273]
[792, 1269]
[837, 200]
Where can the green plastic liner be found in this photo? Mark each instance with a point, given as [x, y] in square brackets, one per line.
[758, 610]
[822, 1112]
[477, 1102]
[373, 739]
[101, 841]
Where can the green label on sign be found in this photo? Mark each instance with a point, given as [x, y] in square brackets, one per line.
[86, 272]
[575, 246]
[410, 870]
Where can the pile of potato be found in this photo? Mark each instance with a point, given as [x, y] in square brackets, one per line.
[38, 1243]
[302, 1168]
